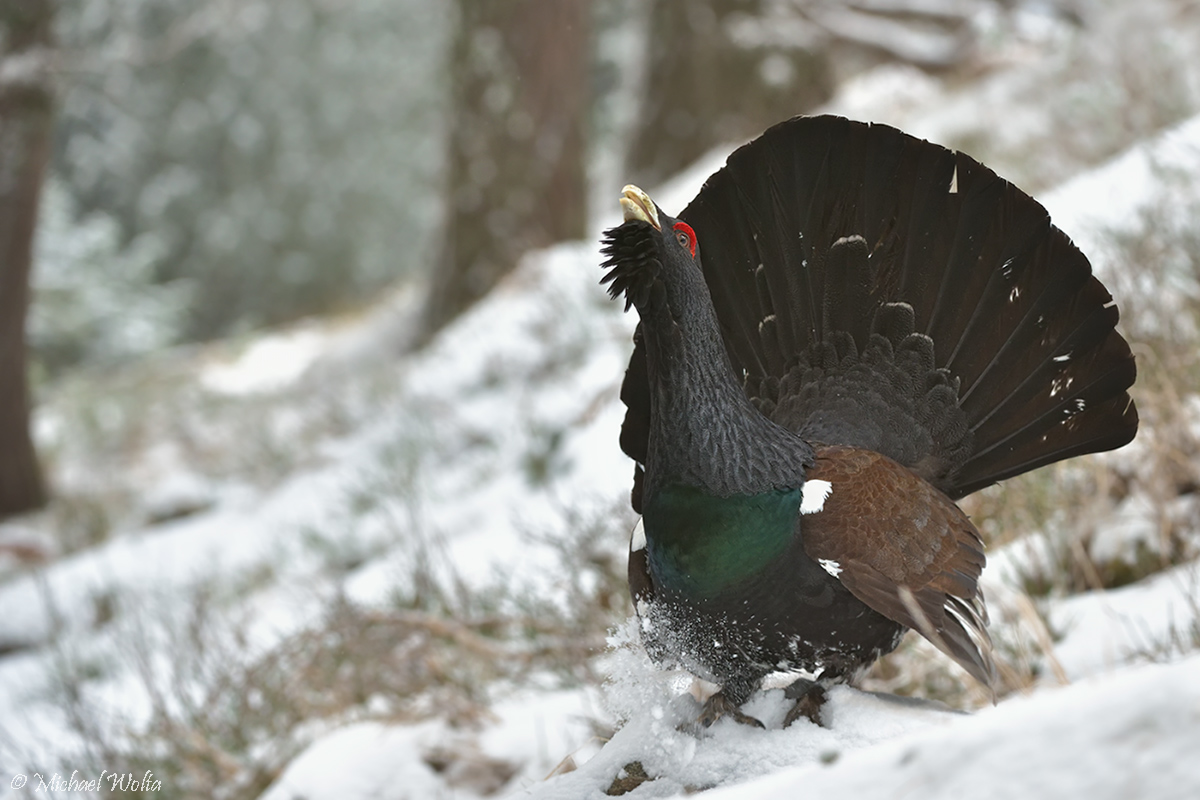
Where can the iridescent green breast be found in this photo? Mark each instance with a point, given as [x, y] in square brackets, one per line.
[699, 544]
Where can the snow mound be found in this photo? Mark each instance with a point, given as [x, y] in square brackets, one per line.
[1131, 734]
[1128, 734]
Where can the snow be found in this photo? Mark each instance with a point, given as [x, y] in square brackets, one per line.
[532, 732]
[1112, 733]
[1132, 734]
[269, 363]
[728, 753]
[1153, 619]
[229, 540]
[1128, 733]
[1157, 173]
[373, 760]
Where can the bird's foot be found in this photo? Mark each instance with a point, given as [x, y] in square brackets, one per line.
[716, 707]
[809, 696]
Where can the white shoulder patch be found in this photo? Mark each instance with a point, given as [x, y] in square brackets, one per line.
[638, 540]
[812, 498]
[830, 566]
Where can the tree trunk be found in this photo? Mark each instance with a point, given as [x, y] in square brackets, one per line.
[712, 79]
[26, 110]
[516, 162]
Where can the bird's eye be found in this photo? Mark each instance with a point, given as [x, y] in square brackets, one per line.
[686, 237]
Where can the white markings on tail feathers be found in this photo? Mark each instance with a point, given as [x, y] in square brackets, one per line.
[1060, 385]
[830, 566]
[1080, 405]
[812, 498]
[638, 540]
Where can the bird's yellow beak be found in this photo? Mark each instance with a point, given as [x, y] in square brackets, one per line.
[637, 205]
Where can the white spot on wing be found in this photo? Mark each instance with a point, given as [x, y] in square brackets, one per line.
[813, 496]
[638, 540]
[830, 566]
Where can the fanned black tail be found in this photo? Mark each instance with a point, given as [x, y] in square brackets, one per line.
[881, 291]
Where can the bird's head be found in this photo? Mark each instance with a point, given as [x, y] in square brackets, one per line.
[652, 258]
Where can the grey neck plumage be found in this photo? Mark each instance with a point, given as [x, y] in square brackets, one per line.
[704, 431]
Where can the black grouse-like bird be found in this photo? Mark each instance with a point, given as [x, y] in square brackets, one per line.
[847, 330]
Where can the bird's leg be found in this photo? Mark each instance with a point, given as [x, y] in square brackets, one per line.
[720, 705]
[809, 697]
[724, 703]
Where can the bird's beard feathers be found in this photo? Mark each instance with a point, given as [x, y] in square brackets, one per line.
[633, 261]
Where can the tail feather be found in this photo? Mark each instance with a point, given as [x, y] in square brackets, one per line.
[845, 302]
[1028, 305]
[830, 244]
[1088, 417]
[775, 338]
[978, 198]
[758, 333]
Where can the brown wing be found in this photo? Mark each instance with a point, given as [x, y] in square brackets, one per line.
[903, 548]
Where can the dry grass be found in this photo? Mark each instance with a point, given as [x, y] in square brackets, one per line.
[222, 726]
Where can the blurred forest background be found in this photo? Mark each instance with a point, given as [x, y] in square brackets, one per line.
[248, 421]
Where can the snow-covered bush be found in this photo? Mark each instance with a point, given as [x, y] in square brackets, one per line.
[95, 300]
[284, 153]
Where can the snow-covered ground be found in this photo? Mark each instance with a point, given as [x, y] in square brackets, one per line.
[1129, 734]
[463, 462]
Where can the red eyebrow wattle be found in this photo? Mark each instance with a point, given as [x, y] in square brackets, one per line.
[683, 226]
